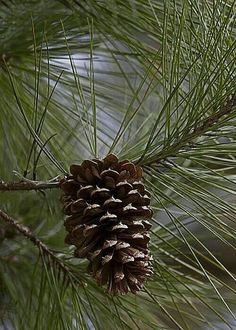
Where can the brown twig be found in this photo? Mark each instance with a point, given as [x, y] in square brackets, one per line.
[28, 185]
[199, 129]
[44, 250]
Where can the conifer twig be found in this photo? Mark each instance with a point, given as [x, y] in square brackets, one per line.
[199, 129]
[28, 185]
[25, 231]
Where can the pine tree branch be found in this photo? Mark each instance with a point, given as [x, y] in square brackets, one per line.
[28, 185]
[200, 128]
[24, 230]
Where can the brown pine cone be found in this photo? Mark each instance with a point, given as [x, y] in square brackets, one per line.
[107, 208]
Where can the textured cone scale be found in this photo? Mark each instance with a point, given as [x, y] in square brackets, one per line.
[107, 209]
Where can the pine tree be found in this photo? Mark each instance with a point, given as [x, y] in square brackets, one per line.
[148, 87]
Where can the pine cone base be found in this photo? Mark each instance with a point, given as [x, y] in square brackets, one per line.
[107, 208]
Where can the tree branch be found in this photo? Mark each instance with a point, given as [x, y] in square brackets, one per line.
[37, 242]
[201, 127]
[28, 185]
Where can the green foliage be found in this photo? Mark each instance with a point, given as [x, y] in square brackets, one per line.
[153, 81]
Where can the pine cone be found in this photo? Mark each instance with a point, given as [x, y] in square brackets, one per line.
[107, 208]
